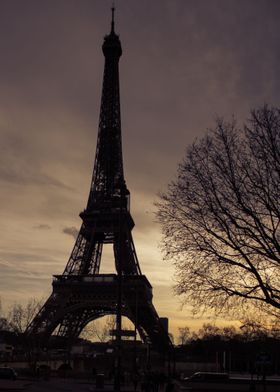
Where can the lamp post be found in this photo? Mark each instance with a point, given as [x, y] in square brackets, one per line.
[123, 202]
[135, 333]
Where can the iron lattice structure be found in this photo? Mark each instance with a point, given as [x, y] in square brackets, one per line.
[81, 294]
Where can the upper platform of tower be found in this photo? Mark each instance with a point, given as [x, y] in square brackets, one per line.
[112, 45]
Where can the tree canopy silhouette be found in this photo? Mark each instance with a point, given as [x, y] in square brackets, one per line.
[220, 217]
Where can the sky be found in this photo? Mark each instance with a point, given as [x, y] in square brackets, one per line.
[184, 63]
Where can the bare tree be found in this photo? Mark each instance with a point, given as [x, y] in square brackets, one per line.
[99, 329]
[209, 331]
[4, 324]
[220, 217]
[229, 332]
[184, 335]
[20, 316]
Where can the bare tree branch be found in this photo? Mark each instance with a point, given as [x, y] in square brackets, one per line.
[220, 217]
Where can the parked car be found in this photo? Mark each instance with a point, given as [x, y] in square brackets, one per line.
[7, 373]
[207, 376]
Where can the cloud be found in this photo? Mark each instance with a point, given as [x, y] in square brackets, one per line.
[23, 160]
[73, 231]
[20, 260]
[42, 227]
[19, 176]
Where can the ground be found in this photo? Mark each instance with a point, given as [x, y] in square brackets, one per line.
[73, 385]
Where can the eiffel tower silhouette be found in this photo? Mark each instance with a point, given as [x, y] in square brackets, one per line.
[81, 294]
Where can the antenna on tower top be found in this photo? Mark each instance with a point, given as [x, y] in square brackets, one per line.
[113, 21]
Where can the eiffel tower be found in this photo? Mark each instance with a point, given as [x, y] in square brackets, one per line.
[81, 294]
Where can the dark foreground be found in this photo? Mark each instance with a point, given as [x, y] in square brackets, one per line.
[74, 385]
[244, 385]
[55, 385]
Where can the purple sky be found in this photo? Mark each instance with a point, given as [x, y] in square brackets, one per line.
[184, 62]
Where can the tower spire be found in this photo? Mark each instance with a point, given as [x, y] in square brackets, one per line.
[113, 19]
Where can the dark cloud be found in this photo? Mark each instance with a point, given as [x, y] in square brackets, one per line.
[71, 231]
